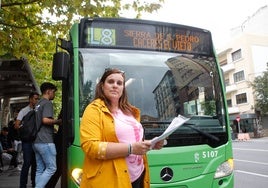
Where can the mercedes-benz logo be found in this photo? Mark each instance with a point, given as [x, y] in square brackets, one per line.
[166, 174]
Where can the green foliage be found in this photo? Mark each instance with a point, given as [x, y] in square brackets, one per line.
[29, 28]
[209, 107]
[260, 86]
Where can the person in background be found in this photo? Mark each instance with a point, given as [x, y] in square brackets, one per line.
[27, 150]
[43, 146]
[14, 136]
[8, 148]
[112, 138]
[1, 160]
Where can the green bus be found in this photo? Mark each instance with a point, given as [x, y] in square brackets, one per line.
[170, 70]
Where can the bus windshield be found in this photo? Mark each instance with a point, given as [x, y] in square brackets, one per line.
[163, 85]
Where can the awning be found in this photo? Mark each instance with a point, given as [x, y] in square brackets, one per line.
[243, 116]
[16, 78]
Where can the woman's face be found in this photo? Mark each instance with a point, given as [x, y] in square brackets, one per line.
[113, 87]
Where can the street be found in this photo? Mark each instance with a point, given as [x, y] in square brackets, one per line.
[251, 163]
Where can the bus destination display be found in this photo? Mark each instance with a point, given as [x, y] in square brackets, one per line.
[138, 36]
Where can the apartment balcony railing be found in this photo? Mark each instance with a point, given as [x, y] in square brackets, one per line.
[233, 110]
[231, 88]
[228, 67]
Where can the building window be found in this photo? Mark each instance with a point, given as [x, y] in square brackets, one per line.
[229, 102]
[241, 98]
[236, 55]
[239, 76]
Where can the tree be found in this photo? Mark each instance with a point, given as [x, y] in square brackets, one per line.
[29, 28]
[260, 86]
[209, 107]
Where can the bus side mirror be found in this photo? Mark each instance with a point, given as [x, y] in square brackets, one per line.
[60, 65]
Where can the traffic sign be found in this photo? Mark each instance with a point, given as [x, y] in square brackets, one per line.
[237, 118]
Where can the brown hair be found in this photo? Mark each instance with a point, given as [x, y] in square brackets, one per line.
[123, 103]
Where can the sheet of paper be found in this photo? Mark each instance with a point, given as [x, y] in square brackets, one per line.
[175, 124]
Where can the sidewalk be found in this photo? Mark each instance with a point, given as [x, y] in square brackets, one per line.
[261, 139]
[11, 178]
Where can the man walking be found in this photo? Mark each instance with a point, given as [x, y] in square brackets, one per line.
[44, 147]
[27, 150]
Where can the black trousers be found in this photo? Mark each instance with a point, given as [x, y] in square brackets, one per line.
[13, 161]
[139, 182]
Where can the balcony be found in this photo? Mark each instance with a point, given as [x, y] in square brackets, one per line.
[231, 88]
[233, 110]
[228, 67]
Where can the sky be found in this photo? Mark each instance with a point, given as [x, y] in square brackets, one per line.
[218, 16]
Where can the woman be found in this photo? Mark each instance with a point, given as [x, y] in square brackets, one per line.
[112, 138]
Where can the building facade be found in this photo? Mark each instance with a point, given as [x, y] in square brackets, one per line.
[244, 58]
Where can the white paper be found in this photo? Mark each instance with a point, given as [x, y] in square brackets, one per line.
[175, 124]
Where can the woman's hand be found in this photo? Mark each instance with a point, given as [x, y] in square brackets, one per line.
[159, 145]
[141, 148]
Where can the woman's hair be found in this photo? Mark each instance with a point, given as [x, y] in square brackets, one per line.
[123, 103]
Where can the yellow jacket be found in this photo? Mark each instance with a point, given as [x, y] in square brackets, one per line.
[96, 129]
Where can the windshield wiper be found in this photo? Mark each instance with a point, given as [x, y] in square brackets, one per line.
[189, 125]
[208, 135]
[155, 122]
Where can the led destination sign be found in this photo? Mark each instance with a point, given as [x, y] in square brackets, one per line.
[129, 35]
[165, 41]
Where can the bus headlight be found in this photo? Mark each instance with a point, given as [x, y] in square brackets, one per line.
[225, 169]
[77, 175]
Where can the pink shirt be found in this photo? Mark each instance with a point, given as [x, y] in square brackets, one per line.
[129, 130]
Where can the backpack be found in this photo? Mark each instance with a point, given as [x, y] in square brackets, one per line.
[30, 126]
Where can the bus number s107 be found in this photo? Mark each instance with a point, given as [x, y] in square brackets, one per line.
[209, 154]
